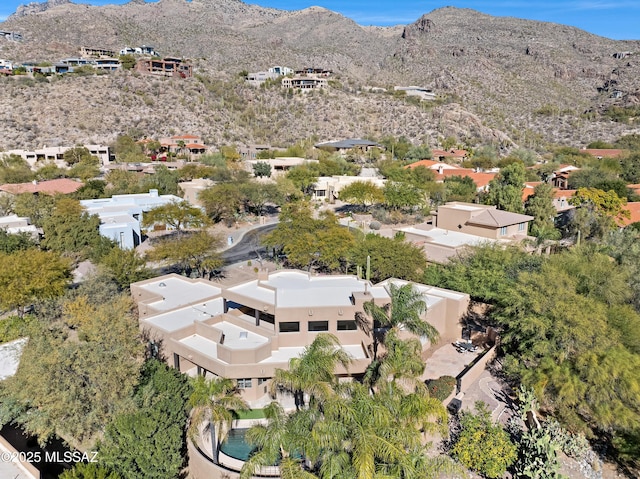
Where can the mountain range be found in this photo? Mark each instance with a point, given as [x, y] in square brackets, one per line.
[506, 81]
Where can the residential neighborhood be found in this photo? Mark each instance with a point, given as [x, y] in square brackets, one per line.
[371, 300]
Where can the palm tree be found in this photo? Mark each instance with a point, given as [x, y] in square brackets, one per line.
[279, 441]
[405, 311]
[400, 367]
[214, 401]
[313, 372]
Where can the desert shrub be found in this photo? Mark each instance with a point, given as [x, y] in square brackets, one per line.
[375, 225]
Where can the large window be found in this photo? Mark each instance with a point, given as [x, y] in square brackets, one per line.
[503, 231]
[289, 327]
[244, 383]
[317, 326]
[521, 226]
[347, 325]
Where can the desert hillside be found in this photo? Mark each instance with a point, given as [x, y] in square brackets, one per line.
[499, 80]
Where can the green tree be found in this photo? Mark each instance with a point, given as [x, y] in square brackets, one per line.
[127, 150]
[262, 169]
[176, 215]
[483, 446]
[72, 231]
[313, 372]
[222, 202]
[416, 153]
[95, 373]
[78, 154]
[14, 169]
[363, 193]
[215, 402]
[163, 179]
[460, 188]
[12, 242]
[401, 195]
[121, 182]
[304, 177]
[257, 196]
[125, 266]
[405, 310]
[91, 470]
[310, 242]
[598, 212]
[540, 206]
[36, 207]
[389, 258]
[196, 251]
[50, 171]
[30, 275]
[505, 190]
[150, 440]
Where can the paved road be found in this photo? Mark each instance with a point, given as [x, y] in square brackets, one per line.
[248, 247]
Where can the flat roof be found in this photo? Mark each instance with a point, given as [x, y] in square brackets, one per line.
[10, 354]
[298, 289]
[451, 239]
[176, 292]
[183, 317]
[202, 345]
[283, 355]
[236, 337]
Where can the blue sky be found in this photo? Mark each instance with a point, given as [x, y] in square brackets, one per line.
[617, 19]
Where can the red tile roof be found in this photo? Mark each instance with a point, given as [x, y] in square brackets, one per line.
[425, 163]
[634, 209]
[480, 179]
[64, 186]
[195, 145]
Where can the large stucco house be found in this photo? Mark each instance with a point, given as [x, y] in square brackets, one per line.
[245, 329]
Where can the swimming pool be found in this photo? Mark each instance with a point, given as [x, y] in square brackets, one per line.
[235, 445]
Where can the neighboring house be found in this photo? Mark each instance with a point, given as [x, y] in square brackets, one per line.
[250, 152]
[258, 78]
[560, 177]
[121, 215]
[329, 187]
[245, 330]
[422, 93]
[191, 189]
[62, 186]
[186, 144]
[481, 180]
[96, 52]
[481, 220]
[281, 71]
[279, 165]
[321, 72]
[143, 50]
[439, 245]
[451, 154]
[169, 67]
[55, 154]
[6, 67]
[12, 36]
[107, 64]
[14, 224]
[305, 82]
[344, 146]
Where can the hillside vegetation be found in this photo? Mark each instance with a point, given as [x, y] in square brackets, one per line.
[500, 80]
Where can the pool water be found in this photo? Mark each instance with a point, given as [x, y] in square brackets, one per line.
[235, 446]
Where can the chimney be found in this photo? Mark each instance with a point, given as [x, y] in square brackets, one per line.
[440, 169]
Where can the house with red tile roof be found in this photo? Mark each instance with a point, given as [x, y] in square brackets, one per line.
[441, 155]
[480, 179]
[63, 186]
[634, 211]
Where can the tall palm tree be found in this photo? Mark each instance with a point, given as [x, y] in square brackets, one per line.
[405, 311]
[217, 403]
[313, 372]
